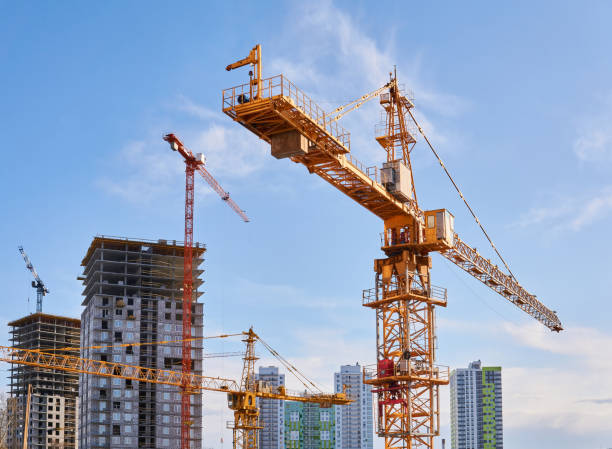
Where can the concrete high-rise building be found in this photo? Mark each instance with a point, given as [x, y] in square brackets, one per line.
[271, 411]
[133, 294]
[309, 426]
[354, 422]
[53, 400]
[476, 407]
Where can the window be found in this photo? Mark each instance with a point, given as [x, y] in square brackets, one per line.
[105, 301]
[104, 312]
[128, 382]
[118, 337]
[431, 220]
[116, 429]
[116, 381]
[130, 302]
[116, 416]
[118, 323]
[168, 305]
[167, 316]
[104, 324]
[130, 313]
[116, 405]
[118, 311]
[129, 349]
[179, 317]
[103, 358]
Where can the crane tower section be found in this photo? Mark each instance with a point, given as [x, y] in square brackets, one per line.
[405, 378]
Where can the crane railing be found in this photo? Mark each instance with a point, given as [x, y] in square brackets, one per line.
[490, 274]
[280, 86]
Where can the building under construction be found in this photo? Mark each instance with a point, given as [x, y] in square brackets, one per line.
[52, 419]
[133, 301]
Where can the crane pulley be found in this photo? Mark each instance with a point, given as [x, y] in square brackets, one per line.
[37, 283]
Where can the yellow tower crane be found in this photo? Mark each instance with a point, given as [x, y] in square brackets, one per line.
[406, 377]
[242, 397]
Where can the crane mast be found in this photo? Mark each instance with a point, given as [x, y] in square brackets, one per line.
[192, 163]
[37, 283]
[406, 378]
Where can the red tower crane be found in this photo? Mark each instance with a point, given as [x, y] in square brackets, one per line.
[192, 163]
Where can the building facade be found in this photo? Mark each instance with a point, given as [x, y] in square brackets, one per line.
[308, 426]
[476, 407]
[52, 422]
[133, 294]
[271, 411]
[354, 422]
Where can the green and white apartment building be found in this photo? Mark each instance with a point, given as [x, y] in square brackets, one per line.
[293, 425]
[476, 407]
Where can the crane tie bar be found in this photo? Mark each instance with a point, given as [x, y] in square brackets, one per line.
[461, 195]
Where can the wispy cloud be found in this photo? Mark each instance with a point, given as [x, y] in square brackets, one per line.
[570, 214]
[594, 140]
[143, 172]
[560, 396]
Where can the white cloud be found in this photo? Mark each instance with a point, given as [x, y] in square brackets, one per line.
[339, 62]
[567, 396]
[570, 214]
[143, 171]
[189, 106]
[594, 142]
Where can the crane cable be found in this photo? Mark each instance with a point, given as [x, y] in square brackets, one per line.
[292, 369]
[461, 195]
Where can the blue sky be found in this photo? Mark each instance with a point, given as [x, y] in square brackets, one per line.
[516, 97]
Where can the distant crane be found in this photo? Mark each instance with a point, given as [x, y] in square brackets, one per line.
[37, 283]
[192, 163]
[241, 396]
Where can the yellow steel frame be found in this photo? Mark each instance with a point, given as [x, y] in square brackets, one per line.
[403, 298]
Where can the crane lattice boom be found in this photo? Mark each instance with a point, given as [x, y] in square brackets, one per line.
[38, 284]
[406, 378]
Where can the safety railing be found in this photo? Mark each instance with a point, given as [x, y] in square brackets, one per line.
[410, 367]
[279, 85]
[381, 291]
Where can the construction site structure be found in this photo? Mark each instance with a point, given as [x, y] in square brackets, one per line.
[37, 283]
[52, 415]
[406, 378]
[193, 163]
[133, 295]
[242, 396]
